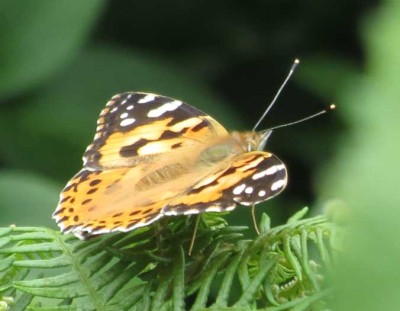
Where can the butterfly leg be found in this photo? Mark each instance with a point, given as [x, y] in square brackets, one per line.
[196, 226]
[253, 216]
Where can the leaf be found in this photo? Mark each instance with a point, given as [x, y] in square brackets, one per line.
[44, 270]
[365, 174]
[40, 38]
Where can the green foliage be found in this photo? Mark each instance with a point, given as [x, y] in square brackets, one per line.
[149, 268]
[59, 68]
[38, 192]
[39, 38]
[365, 173]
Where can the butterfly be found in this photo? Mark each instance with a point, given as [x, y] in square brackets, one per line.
[154, 156]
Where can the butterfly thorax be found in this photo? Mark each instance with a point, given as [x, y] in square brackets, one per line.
[251, 140]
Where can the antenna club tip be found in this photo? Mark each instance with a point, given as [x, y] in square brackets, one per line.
[332, 107]
[297, 61]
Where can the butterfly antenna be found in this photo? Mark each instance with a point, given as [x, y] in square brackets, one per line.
[292, 69]
[196, 226]
[330, 107]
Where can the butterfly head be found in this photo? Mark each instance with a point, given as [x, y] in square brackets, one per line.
[252, 141]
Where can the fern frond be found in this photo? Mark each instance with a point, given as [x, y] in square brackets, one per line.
[149, 269]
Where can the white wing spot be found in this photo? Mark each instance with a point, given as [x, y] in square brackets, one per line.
[262, 193]
[114, 109]
[155, 113]
[124, 101]
[129, 96]
[191, 211]
[239, 189]
[124, 115]
[248, 203]
[213, 209]
[230, 208]
[269, 171]
[146, 99]
[171, 213]
[278, 184]
[127, 122]
[249, 190]
[130, 107]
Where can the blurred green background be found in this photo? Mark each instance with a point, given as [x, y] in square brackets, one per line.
[60, 61]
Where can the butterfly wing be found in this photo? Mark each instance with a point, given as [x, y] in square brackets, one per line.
[247, 178]
[95, 202]
[120, 200]
[147, 150]
[136, 128]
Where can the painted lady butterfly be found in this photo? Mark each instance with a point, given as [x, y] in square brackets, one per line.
[154, 156]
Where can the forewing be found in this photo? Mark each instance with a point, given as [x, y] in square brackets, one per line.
[250, 178]
[137, 128]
